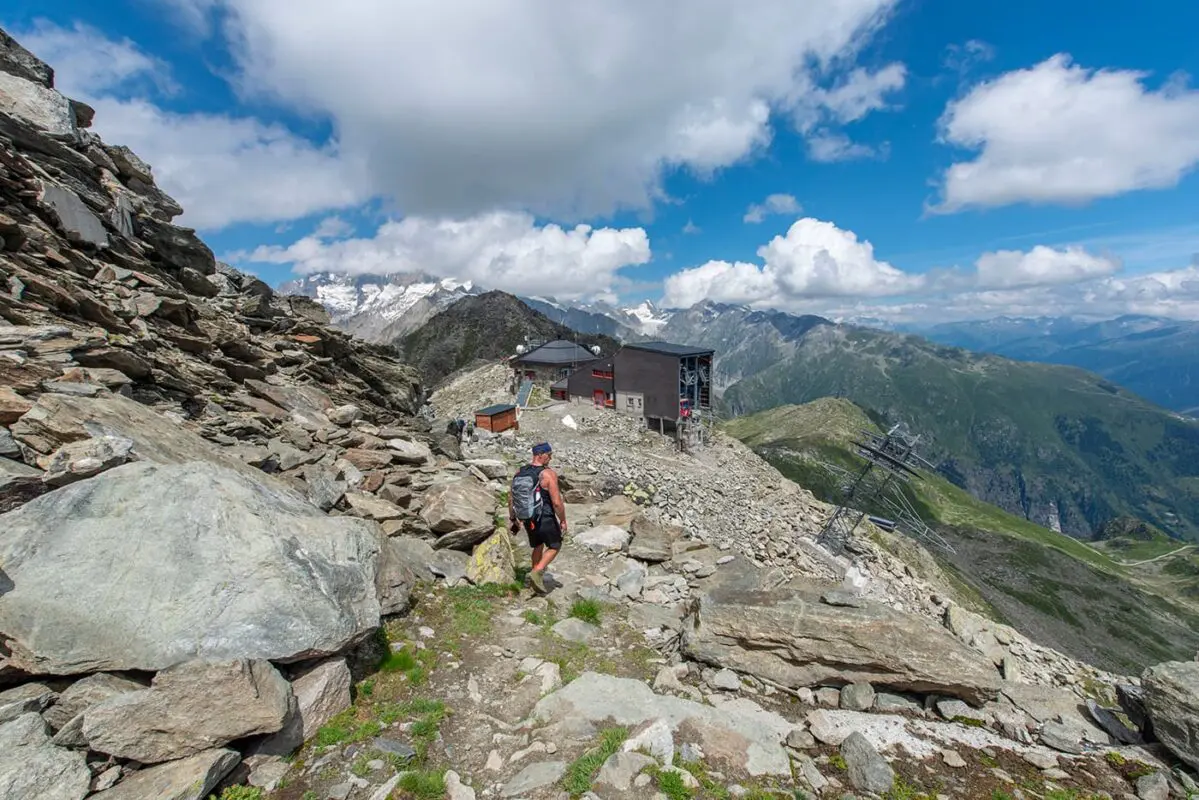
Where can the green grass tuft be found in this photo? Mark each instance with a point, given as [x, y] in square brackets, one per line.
[671, 784]
[423, 784]
[586, 610]
[582, 771]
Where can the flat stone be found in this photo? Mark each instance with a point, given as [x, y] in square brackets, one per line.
[792, 639]
[619, 771]
[29, 698]
[602, 539]
[533, 777]
[371, 507]
[38, 105]
[32, 767]
[189, 708]
[653, 737]
[191, 778]
[493, 561]
[1172, 699]
[1153, 787]
[455, 789]
[725, 679]
[738, 731]
[74, 217]
[868, 771]
[408, 452]
[575, 630]
[1061, 737]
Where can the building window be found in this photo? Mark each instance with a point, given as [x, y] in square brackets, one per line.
[602, 374]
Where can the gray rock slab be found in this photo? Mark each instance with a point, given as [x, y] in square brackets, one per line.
[191, 778]
[1172, 700]
[147, 565]
[29, 698]
[74, 218]
[739, 734]
[85, 693]
[190, 708]
[619, 771]
[533, 777]
[868, 771]
[41, 107]
[788, 636]
[32, 767]
[575, 630]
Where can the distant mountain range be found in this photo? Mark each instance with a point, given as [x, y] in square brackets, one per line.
[1154, 357]
[1065, 448]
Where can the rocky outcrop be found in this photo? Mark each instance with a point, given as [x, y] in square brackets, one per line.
[1172, 700]
[211, 564]
[793, 638]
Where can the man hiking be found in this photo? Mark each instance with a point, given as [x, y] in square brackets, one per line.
[535, 503]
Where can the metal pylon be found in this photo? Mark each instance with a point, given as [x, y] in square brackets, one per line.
[894, 454]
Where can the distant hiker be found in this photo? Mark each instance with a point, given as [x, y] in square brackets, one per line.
[461, 430]
[535, 503]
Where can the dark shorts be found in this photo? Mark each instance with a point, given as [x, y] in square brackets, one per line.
[546, 532]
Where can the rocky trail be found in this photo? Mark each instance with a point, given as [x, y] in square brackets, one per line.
[239, 559]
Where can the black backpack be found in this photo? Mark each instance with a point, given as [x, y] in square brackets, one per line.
[527, 500]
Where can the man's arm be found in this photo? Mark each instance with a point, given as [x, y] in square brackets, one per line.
[511, 510]
[551, 485]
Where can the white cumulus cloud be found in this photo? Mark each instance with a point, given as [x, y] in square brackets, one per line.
[566, 110]
[773, 204]
[1061, 133]
[815, 259]
[222, 169]
[502, 250]
[1041, 266]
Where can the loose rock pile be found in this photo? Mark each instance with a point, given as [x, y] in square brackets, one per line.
[209, 492]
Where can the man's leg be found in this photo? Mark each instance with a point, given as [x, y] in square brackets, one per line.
[537, 555]
[541, 563]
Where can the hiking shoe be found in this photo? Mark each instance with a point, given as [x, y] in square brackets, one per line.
[537, 581]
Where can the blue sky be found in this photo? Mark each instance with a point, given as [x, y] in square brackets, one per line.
[458, 140]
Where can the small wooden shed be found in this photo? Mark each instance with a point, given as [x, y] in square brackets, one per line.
[497, 418]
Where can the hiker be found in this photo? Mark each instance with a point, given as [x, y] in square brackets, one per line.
[535, 503]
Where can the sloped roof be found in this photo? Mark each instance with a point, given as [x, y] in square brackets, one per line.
[558, 351]
[491, 411]
[670, 348]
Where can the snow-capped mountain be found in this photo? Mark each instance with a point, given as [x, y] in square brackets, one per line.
[380, 308]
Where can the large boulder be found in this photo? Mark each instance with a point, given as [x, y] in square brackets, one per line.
[458, 505]
[148, 565]
[190, 708]
[30, 766]
[37, 105]
[793, 638]
[1172, 700]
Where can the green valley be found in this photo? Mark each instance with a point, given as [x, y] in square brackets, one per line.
[1092, 600]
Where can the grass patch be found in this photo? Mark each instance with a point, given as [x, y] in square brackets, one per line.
[671, 784]
[423, 784]
[586, 610]
[470, 607]
[837, 762]
[902, 790]
[346, 727]
[710, 787]
[582, 771]
[239, 793]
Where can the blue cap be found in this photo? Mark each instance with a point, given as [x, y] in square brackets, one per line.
[543, 447]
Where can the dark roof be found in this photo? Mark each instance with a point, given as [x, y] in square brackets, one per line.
[491, 411]
[671, 349]
[562, 384]
[558, 351]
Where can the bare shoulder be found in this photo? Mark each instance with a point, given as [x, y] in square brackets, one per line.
[549, 477]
